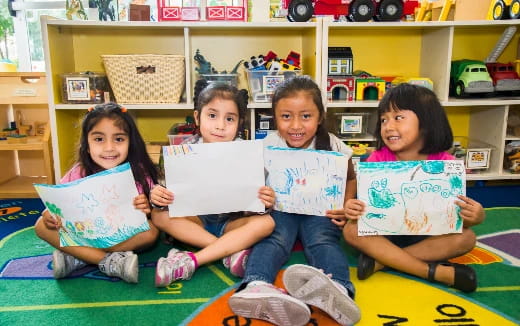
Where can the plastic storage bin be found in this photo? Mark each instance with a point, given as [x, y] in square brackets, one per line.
[231, 79]
[85, 87]
[262, 83]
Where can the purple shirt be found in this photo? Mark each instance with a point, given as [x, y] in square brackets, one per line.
[386, 155]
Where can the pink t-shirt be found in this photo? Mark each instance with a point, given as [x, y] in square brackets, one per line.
[386, 155]
[76, 172]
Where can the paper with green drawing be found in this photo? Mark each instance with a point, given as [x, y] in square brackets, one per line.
[410, 197]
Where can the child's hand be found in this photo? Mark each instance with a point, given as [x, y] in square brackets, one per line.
[51, 222]
[354, 208]
[161, 196]
[266, 195]
[337, 216]
[471, 211]
[141, 203]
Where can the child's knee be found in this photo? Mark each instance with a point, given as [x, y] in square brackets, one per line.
[468, 240]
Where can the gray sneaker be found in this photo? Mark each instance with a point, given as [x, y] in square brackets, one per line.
[313, 287]
[121, 264]
[267, 302]
[63, 264]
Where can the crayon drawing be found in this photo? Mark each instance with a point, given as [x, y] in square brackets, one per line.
[214, 178]
[410, 197]
[306, 181]
[96, 211]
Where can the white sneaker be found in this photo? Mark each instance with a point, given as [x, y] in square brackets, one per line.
[236, 263]
[265, 301]
[121, 264]
[313, 287]
[63, 264]
[178, 265]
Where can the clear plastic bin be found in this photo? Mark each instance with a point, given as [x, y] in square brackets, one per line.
[82, 88]
[262, 83]
[351, 124]
[231, 79]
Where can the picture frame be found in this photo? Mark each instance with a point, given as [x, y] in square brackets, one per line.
[271, 82]
[351, 124]
[478, 158]
[78, 88]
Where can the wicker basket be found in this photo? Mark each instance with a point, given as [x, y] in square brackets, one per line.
[146, 78]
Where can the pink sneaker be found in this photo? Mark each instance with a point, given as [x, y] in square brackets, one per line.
[236, 263]
[178, 265]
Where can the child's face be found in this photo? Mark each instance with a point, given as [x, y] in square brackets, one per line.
[108, 144]
[297, 119]
[400, 132]
[218, 121]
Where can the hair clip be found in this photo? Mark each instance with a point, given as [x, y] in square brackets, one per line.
[123, 109]
[90, 109]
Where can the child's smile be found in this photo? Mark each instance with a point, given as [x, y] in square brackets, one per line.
[297, 120]
[108, 144]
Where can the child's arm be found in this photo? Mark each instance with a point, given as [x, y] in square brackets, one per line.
[354, 208]
[50, 221]
[267, 196]
[337, 216]
[160, 196]
[141, 203]
[471, 211]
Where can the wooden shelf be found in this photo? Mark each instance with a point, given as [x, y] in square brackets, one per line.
[20, 187]
[32, 143]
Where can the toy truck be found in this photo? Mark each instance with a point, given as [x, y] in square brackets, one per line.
[355, 10]
[504, 76]
[503, 9]
[469, 77]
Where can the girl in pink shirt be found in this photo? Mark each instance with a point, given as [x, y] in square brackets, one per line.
[413, 126]
[109, 137]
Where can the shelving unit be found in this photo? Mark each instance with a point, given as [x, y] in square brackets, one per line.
[24, 163]
[385, 49]
[74, 46]
[426, 49]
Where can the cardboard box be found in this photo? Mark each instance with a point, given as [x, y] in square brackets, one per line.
[471, 9]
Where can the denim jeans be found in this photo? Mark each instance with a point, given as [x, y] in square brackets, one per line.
[320, 241]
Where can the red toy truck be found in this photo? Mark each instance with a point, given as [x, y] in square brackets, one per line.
[355, 10]
[505, 78]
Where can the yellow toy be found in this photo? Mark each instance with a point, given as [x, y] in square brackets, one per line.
[500, 9]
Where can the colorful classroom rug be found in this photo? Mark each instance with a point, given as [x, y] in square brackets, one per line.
[30, 296]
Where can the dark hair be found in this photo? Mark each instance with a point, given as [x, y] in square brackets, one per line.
[289, 88]
[433, 122]
[205, 92]
[142, 165]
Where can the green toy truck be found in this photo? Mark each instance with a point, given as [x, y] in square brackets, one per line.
[469, 77]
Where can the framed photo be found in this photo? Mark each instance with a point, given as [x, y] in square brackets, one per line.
[271, 82]
[78, 88]
[351, 124]
[478, 158]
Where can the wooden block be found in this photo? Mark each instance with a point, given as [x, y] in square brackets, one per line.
[139, 12]
[471, 9]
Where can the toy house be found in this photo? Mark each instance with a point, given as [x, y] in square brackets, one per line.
[226, 10]
[340, 82]
[188, 10]
[370, 88]
[194, 10]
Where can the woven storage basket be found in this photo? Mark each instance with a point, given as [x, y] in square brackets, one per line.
[146, 78]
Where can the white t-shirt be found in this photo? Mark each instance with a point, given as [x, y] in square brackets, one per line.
[274, 139]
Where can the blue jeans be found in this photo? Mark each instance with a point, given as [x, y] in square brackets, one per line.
[320, 241]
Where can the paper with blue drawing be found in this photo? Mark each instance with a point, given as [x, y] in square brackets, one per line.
[214, 178]
[410, 197]
[306, 181]
[96, 211]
